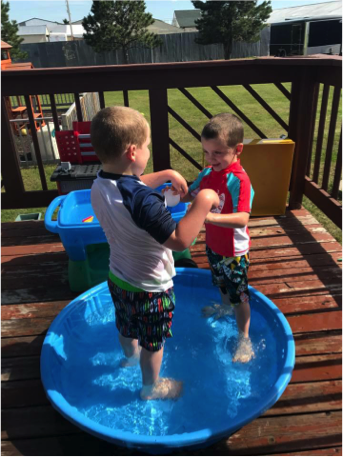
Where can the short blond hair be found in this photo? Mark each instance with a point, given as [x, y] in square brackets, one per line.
[114, 129]
[225, 126]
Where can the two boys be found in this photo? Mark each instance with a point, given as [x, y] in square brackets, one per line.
[142, 234]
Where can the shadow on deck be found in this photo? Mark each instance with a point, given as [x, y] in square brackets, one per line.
[294, 261]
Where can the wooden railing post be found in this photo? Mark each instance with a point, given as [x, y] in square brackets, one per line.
[301, 125]
[159, 128]
[11, 174]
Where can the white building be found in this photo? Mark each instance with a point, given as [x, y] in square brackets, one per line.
[306, 30]
[34, 33]
[37, 30]
[56, 30]
[319, 10]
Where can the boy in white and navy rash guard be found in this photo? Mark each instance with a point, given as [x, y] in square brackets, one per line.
[141, 234]
[227, 234]
[137, 224]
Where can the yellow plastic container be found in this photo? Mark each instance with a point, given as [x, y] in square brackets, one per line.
[269, 166]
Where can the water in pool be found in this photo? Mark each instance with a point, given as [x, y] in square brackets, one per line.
[199, 354]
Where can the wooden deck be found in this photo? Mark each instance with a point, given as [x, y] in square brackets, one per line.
[295, 262]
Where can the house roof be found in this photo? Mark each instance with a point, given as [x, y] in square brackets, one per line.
[39, 19]
[5, 45]
[56, 29]
[315, 11]
[186, 18]
[161, 28]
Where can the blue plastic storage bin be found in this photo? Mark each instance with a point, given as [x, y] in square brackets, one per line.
[75, 234]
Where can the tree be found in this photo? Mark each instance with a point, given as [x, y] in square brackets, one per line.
[65, 21]
[228, 21]
[9, 32]
[119, 25]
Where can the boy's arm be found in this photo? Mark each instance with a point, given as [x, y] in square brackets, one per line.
[188, 228]
[194, 188]
[233, 220]
[187, 198]
[242, 196]
[160, 177]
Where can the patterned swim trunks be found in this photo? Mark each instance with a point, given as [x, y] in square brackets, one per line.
[230, 273]
[146, 316]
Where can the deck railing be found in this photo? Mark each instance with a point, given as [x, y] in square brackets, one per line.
[310, 78]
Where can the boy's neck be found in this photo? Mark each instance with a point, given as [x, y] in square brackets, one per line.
[117, 169]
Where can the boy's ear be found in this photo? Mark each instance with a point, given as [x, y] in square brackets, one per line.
[239, 148]
[131, 153]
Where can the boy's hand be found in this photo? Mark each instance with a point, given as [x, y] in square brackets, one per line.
[230, 220]
[209, 218]
[179, 184]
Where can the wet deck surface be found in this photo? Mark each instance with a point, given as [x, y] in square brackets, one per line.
[294, 261]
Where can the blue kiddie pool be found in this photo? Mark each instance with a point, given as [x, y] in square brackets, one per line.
[84, 382]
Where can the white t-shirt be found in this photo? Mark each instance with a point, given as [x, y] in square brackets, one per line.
[136, 224]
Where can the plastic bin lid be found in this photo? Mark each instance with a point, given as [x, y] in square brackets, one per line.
[77, 172]
[76, 210]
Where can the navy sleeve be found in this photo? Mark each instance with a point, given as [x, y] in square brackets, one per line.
[148, 211]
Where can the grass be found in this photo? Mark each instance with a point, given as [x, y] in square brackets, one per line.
[32, 181]
[178, 102]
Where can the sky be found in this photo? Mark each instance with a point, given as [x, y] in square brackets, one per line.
[55, 10]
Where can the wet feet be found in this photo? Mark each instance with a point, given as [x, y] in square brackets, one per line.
[163, 389]
[244, 352]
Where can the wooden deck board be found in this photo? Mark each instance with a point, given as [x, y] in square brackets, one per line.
[41, 420]
[294, 261]
[263, 436]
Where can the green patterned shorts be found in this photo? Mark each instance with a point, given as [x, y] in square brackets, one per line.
[231, 275]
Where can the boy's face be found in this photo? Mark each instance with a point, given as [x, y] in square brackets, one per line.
[142, 157]
[219, 154]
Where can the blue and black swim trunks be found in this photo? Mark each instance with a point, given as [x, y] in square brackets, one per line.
[231, 275]
[141, 315]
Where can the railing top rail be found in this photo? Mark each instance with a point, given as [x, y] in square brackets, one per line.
[317, 59]
[167, 75]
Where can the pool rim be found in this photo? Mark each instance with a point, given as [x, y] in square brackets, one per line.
[188, 439]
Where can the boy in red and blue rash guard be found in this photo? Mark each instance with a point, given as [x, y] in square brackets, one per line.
[227, 234]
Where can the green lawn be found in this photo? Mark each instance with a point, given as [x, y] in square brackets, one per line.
[240, 97]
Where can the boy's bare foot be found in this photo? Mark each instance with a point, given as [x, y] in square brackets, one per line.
[163, 389]
[244, 351]
[217, 311]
